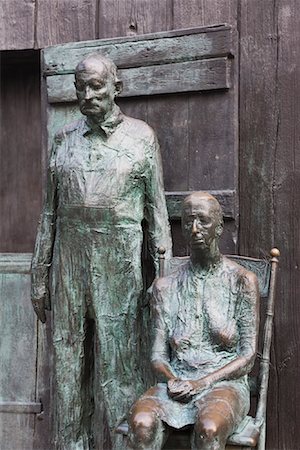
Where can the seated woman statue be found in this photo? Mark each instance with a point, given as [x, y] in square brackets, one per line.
[205, 340]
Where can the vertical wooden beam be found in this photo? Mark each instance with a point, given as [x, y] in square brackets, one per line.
[286, 207]
[259, 123]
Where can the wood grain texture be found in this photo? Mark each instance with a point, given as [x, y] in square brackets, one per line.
[65, 21]
[212, 141]
[17, 431]
[258, 147]
[170, 112]
[132, 17]
[204, 12]
[286, 219]
[17, 21]
[20, 150]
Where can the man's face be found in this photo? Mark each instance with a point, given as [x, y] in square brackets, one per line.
[199, 224]
[95, 91]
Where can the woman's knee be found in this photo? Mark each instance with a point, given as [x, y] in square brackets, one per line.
[143, 426]
[208, 434]
[206, 428]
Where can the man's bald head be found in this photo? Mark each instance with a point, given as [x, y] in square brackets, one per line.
[200, 197]
[98, 63]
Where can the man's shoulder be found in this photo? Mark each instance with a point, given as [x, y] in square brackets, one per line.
[66, 130]
[138, 127]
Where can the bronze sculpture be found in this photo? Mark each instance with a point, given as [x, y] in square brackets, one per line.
[104, 178]
[205, 339]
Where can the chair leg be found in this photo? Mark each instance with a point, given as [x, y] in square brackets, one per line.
[262, 437]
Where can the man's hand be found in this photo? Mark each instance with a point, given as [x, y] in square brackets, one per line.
[39, 308]
[184, 390]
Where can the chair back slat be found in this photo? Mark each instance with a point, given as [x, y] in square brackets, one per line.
[261, 268]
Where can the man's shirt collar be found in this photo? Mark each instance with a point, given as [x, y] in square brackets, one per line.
[107, 127]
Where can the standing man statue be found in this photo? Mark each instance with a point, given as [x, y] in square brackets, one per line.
[104, 178]
[206, 330]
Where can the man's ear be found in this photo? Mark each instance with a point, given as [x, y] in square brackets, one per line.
[118, 87]
[219, 229]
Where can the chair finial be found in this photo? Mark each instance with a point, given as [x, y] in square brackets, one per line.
[275, 253]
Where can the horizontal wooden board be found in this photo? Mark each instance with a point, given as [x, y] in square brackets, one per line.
[226, 198]
[20, 407]
[203, 75]
[144, 50]
[15, 262]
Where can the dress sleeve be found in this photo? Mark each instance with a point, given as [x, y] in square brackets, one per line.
[248, 317]
[42, 256]
[155, 208]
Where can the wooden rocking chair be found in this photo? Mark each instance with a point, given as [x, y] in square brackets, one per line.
[251, 433]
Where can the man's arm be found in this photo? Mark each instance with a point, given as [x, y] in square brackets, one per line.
[155, 206]
[42, 255]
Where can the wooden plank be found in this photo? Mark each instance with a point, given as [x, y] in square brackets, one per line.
[20, 407]
[286, 217]
[65, 21]
[259, 122]
[226, 198]
[15, 262]
[20, 151]
[160, 48]
[210, 74]
[17, 24]
[206, 12]
[213, 141]
[129, 18]
[170, 113]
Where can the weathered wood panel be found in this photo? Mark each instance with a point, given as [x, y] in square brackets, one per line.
[17, 355]
[205, 12]
[17, 23]
[131, 17]
[20, 151]
[65, 21]
[258, 105]
[159, 48]
[286, 218]
[210, 74]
